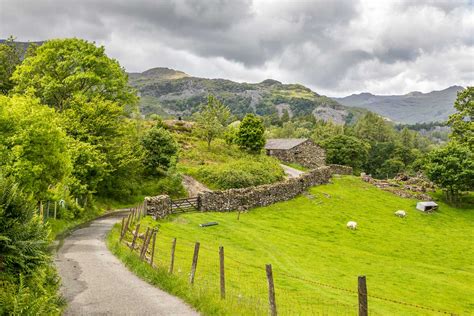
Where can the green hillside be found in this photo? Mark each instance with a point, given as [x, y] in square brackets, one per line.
[424, 259]
[167, 91]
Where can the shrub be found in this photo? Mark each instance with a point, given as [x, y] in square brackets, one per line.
[241, 173]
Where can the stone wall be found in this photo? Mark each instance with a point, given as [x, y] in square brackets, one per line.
[246, 198]
[307, 154]
[262, 195]
[158, 206]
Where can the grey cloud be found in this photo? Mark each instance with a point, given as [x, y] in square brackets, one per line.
[338, 45]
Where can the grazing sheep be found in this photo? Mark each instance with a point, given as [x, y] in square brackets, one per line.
[352, 225]
[401, 213]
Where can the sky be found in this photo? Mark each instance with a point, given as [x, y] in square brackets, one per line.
[335, 47]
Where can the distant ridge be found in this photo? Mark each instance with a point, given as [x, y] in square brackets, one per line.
[410, 108]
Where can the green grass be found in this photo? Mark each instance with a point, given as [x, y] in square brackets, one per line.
[225, 166]
[424, 259]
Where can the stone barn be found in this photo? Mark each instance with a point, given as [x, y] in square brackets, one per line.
[302, 151]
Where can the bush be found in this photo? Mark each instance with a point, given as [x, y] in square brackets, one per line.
[241, 173]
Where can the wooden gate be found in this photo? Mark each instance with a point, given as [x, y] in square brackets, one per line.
[185, 205]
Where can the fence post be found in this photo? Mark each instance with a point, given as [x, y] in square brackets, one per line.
[222, 272]
[55, 205]
[271, 290]
[153, 248]
[145, 238]
[173, 248]
[122, 228]
[363, 306]
[147, 243]
[195, 261]
[132, 246]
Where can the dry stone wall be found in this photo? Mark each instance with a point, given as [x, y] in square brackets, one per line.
[246, 198]
[158, 206]
[262, 195]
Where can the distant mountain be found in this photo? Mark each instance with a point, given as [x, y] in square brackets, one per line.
[411, 108]
[170, 92]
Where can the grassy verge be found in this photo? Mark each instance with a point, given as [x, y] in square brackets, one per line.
[424, 259]
[202, 297]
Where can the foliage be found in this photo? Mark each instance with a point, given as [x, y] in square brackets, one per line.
[211, 121]
[452, 168]
[462, 122]
[250, 134]
[63, 70]
[372, 128]
[284, 234]
[346, 150]
[9, 59]
[390, 168]
[33, 147]
[240, 173]
[160, 150]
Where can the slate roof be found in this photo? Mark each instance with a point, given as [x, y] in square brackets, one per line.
[284, 143]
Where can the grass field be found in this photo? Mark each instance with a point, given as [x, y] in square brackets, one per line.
[424, 259]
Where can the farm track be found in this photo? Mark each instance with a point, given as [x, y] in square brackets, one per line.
[94, 282]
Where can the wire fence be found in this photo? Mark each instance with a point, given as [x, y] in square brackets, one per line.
[246, 286]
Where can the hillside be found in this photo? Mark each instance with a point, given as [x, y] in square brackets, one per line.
[410, 108]
[423, 259]
[171, 93]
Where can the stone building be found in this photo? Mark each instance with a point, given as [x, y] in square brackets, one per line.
[302, 151]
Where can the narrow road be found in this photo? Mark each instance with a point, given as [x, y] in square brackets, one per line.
[291, 172]
[94, 281]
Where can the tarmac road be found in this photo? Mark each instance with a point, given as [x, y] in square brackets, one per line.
[94, 281]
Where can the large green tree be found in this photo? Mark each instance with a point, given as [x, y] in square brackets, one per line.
[451, 168]
[462, 122]
[212, 120]
[346, 150]
[250, 135]
[10, 55]
[33, 147]
[373, 128]
[64, 69]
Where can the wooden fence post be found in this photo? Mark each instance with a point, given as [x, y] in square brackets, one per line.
[271, 290]
[55, 205]
[173, 248]
[147, 243]
[363, 306]
[222, 272]
[145, 238]
[153, 248]
[132, 246]
[194, 264]
[122, 228]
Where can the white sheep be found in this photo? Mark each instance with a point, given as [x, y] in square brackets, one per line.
[401, 213]
[352, 225]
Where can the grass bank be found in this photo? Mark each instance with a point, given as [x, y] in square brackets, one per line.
[424, 260]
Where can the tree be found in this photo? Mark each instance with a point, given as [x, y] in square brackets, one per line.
[250, 135]
[462, 122]
[372, 128]
[10, 58]
[160, 150]
[325, 130]
[211, 121]
[452, 169]
[61, 70]
[346, 150]
[391, 167]
[33, 148]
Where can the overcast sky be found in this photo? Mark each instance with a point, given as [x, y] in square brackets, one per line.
[335, 47]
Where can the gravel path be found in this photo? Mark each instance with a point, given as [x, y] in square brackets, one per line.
[291, 172]
[96, 283]
[193, 187]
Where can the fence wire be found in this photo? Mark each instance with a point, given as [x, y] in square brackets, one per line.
[247, 287]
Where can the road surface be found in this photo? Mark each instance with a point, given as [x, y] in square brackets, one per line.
[291, 172]
[94, 282]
